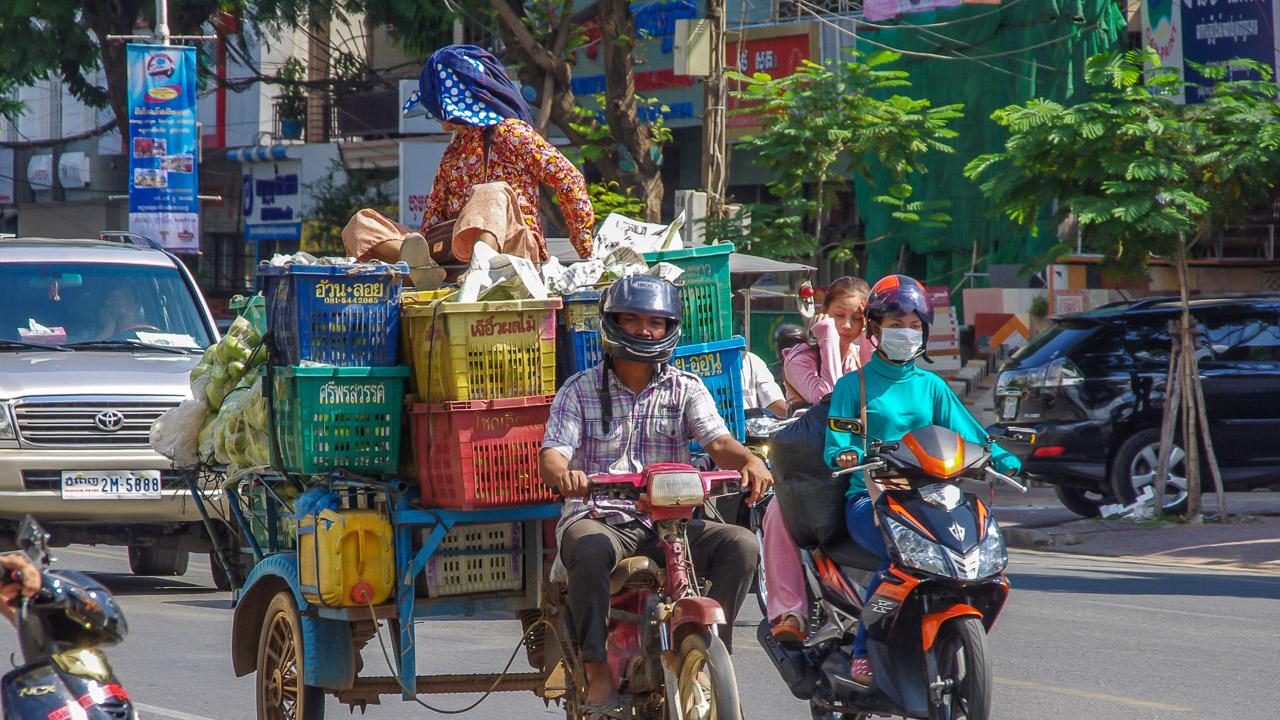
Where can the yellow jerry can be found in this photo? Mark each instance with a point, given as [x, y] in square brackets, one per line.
[346, 557]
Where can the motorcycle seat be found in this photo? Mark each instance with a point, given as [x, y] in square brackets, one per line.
[846, 551]
[629, 568]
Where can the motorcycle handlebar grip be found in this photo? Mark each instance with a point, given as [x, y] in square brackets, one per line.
[874, 464]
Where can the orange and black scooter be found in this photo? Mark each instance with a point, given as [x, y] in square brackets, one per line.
[928, 619]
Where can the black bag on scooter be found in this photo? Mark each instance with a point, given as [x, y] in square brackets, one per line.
[813, 502]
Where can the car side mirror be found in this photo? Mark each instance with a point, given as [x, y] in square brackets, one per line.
[1019, 435]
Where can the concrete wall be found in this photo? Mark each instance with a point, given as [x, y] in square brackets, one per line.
[72, 219]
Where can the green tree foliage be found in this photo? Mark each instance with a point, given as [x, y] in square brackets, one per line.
[1140, 172]
[825, 124]
[334, 203]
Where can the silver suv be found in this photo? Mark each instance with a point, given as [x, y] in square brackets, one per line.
[97, 339]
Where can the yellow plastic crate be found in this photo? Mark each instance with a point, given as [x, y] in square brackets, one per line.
[483, 350]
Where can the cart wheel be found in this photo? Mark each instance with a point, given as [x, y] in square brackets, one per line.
[281, 694]
[565, 661]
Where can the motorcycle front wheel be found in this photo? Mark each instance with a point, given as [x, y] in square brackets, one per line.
[961, 652]
[708, 687]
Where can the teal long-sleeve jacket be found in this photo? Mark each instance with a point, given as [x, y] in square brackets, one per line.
[901, 398]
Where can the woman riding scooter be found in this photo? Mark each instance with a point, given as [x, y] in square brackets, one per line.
[888, 398]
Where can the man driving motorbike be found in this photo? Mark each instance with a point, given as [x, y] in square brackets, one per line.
[12, 587]
[892, 397]
[633, 410]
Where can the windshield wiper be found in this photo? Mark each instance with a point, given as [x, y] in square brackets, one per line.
[33, 346]
[130, 344]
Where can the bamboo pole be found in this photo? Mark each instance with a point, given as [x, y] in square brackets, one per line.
[1210, 455]
[1192, 462]
[1172, 398]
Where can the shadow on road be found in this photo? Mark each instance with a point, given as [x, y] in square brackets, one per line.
[131, 585]
[1131, 582]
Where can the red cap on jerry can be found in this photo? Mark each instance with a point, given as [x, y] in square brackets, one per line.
[362, 593]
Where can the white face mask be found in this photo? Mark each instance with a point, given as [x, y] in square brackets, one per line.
[900, 344]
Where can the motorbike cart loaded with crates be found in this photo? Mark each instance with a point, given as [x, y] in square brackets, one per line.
[340, 527]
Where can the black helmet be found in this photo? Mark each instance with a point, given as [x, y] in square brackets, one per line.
[787, 335]
[899, 296]
[642, 295]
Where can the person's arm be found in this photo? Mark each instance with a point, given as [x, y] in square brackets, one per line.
[950, 412]
[842, 449]
[562, 436]
[544, 161]
[812, 379]
[447, 177]
[28, 585]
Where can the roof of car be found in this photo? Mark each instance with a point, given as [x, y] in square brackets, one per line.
[35, 249]
[1165, 304]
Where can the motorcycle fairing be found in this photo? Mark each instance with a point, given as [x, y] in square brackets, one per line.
[933, 621]
[41, 692]
[958, 530]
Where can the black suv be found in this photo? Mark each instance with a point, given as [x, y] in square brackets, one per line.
[1093, 387]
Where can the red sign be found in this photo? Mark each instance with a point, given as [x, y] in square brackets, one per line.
[777, 55]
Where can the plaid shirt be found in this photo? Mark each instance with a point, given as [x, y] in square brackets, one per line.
[654, 426]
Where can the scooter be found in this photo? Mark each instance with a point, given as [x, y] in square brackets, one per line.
[662, 630]
[64, 676]
[944, 589]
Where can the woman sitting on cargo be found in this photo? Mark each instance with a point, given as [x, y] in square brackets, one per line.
[486, 189]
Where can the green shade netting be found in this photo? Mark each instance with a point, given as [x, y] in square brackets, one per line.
[1021, 50]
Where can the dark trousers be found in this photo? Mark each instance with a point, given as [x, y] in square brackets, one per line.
[724, 554]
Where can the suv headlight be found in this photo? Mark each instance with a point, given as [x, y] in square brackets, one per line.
[7, 429]
[992, 555]
[674, 489]
[917, 551]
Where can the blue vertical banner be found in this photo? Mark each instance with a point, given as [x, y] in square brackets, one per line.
[1222, 30]
[163, 179]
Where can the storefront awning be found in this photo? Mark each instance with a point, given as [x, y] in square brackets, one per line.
[260, 153]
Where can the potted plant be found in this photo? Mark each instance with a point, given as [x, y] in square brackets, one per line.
[292, 100]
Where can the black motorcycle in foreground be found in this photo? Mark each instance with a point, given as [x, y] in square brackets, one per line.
[64, 676]
[927, 621]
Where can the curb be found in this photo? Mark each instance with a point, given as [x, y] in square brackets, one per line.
[1032, 538]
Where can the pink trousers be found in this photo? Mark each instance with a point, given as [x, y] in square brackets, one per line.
[784, 575]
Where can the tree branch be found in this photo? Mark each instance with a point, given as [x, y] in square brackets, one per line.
[515, 27]
[55, 142]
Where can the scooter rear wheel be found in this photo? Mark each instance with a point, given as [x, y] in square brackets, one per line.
[961, 652]
[282, 695]
[703, 652]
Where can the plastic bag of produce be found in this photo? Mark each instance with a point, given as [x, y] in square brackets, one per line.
[174, 434]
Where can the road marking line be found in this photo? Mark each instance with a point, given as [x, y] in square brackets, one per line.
[1092, 695]
[164, 712]
[1183, 612]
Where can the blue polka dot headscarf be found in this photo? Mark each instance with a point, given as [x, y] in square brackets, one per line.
[464, 84]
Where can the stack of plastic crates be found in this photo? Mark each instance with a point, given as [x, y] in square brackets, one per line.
[485, 373]
[707, 347]
[337, 395]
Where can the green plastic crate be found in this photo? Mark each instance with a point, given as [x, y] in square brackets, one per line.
[253, 309]
[344, 418]
[705, 294]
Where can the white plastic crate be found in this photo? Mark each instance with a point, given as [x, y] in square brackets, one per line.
[449, 573]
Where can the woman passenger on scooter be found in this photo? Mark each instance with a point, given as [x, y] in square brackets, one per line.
[811, 371]
[899, 398]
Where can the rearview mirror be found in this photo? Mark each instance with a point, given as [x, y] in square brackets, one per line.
[1020, 435]
[33, 540]
[66, 280]
[848, 425]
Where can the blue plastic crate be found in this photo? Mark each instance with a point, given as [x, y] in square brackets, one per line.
[719, 364]
[340, 315]
[579, 335]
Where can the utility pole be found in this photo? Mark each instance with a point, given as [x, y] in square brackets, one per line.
[714, 162]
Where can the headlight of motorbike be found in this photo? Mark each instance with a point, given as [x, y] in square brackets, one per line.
[919, 552]
[7, 431]
[676, 489]
[992, 555]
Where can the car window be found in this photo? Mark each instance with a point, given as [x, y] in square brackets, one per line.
[1052, 344]
[1244, 338]
[1148, 339]
[77, 302]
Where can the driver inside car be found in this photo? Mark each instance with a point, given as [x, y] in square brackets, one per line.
[120, 312]
[633, 410]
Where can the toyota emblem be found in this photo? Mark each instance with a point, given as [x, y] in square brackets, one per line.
[109, 420]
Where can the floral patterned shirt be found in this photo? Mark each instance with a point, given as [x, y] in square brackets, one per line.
[522, 158]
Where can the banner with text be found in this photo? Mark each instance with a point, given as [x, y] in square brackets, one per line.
[163, 181]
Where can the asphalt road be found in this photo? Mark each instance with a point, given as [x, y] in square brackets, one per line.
[1081, 637]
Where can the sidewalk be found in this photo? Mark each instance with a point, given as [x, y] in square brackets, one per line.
[1251, 539]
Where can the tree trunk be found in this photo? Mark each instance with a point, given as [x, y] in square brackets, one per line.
[1189, 405]
[714, 153]
[1168, 423]
[1210, 456]
[114, 18]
